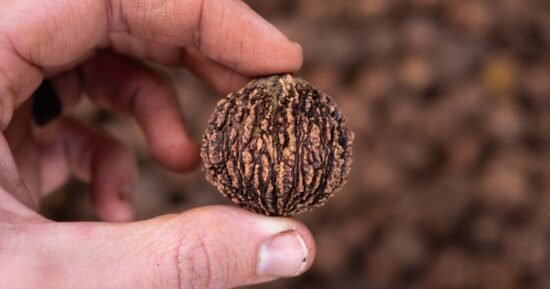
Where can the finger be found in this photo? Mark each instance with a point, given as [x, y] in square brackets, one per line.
[108, 166]
[63, 91]
[212, 247]
[54, 162]
[23, 148]
[10, 180]
[222, 78]
[121, 84]
[226, 31]
[68, 88]
[161, 53]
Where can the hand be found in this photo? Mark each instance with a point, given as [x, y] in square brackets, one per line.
[92, 46]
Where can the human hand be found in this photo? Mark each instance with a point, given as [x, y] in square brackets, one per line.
[92, 46]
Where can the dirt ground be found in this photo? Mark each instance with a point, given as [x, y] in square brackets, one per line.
[450, 103]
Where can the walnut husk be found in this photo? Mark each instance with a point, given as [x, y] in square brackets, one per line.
[277, 147]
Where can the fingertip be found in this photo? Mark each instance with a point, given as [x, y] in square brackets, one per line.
[115, 210]
[111, 206]
[297, 241]
[176, 152]
[290, 58]
[243, 225]
[299, 57]
[236, 36]
[309, 242]
[283, 56]
[223, 79]
[279, 55]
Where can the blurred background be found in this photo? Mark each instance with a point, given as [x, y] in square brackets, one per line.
[450, 103]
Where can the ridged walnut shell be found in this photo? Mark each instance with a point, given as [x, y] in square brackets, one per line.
[277, 147]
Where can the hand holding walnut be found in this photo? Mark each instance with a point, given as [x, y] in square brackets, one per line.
[84, 46]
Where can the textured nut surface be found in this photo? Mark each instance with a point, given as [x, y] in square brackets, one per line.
[277, 147]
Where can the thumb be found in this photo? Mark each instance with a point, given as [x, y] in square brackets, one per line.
[211, 247]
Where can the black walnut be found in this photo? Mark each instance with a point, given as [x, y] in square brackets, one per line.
[277, 147]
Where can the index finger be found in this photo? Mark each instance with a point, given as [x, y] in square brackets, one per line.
[45, 33]
[227, 31]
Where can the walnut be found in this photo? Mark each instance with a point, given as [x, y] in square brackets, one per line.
[278, 146]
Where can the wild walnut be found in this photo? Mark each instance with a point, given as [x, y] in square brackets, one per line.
[278, 146]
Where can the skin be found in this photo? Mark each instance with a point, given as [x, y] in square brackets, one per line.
[94, 47]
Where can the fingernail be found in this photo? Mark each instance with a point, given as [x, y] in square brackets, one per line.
[299, 46]
[125, 197]
[283, 255]
[125, 212]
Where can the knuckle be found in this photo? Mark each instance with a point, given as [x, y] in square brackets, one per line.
[7, 97]
[198, 264]
[194, 264]
[197, 39]
[114, 16]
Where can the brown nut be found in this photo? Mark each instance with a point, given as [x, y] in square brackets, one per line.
[277, 147]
